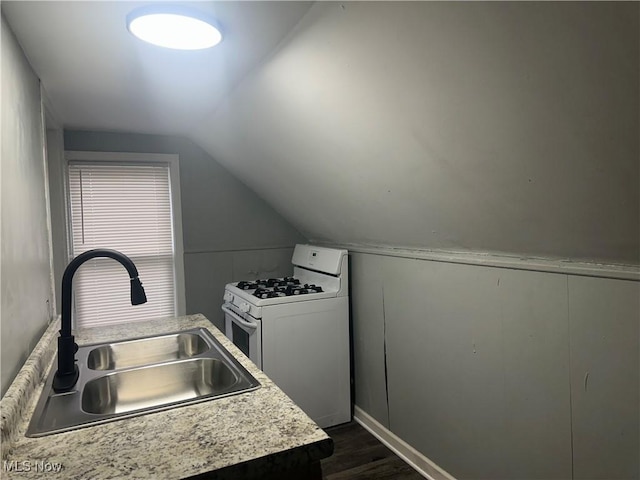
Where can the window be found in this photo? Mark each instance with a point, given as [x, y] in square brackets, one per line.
[130, 203]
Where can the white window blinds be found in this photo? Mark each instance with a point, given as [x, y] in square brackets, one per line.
[126, 208]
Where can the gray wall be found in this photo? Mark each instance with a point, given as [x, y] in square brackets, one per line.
[494, 128]
[506, 127]
[27, 294]
[229, 232]
[500, 373]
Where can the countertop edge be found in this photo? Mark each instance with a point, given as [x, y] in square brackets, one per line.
[25, 385]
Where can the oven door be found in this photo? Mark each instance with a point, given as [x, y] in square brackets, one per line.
[245, 334]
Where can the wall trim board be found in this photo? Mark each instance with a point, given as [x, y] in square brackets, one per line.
[424, 466]
[620, 272]
[47, 119]
[239, 249]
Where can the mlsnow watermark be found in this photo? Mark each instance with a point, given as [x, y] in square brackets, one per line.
[40, 466]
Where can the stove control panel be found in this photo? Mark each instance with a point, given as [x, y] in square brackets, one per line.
[325, 260]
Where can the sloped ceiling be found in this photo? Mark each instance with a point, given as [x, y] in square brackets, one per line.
[493, 127]
[481, 126]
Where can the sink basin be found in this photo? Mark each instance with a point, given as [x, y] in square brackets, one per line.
[138, 376]
[145, 387]
[146, 351]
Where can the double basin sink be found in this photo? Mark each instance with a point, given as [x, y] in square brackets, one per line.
[138, 376]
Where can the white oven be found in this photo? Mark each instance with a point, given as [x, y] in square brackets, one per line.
[296, 329]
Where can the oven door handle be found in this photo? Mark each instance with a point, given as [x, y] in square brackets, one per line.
[237, 318]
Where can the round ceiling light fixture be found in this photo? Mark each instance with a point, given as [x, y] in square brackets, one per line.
[173, 27]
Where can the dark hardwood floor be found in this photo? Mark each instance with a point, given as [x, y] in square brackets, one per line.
[358, 455]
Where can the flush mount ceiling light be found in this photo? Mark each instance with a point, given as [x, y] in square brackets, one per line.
[173, 27]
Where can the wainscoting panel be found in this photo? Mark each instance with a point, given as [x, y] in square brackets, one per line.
[497, 371]
[604, 318]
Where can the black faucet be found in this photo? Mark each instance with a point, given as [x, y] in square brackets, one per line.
[67, 374]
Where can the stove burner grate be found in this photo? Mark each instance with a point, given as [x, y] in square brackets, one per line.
[268, 293]
[278, 287]
[243, 285]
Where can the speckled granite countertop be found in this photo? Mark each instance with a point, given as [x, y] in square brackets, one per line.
[244, 434]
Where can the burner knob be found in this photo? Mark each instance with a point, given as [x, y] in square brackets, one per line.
[244, 308]
[228, 297]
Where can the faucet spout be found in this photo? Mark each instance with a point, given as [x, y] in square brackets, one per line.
[67, 374]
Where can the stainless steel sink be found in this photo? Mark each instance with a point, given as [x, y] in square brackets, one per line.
[145, 387]
[138, 376]
[146, 351]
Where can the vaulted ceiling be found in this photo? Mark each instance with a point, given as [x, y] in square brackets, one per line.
[507, 127]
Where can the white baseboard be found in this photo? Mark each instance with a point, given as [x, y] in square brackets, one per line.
[406, 452]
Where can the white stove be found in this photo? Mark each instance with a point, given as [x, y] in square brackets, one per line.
[296, 329]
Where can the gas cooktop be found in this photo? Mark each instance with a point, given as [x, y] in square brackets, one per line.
[278, 287]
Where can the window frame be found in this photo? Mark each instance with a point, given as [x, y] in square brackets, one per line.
[124, 158]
